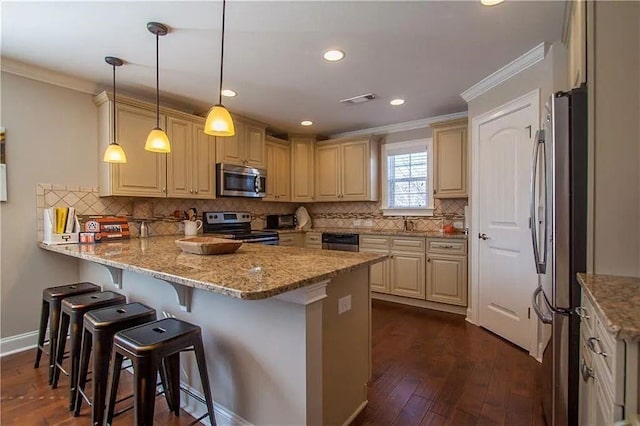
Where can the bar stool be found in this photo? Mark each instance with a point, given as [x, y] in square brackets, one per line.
[148, 346]
[73, 309]
[100, 325]
[50, 313]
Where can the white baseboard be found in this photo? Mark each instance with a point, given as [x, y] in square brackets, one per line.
[19, 343]
[452, 309]
[355, 413]
[224, 416]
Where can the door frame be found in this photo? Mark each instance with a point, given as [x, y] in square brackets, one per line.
[473, 313]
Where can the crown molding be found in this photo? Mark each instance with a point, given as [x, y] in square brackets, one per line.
[525, 61]
[399, 127]
[44, 75]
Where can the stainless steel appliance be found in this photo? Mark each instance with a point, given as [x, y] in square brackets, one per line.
[343, 242]
[558, 231]
[237, 226]
[240, 181]
[281, 221]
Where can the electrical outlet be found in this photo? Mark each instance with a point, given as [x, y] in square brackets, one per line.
[368, 223]
[344, 304]
[357, 222]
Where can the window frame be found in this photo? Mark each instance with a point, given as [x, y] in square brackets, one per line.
[389, 149]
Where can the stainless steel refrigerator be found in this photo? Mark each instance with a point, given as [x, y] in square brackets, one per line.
[558, 231]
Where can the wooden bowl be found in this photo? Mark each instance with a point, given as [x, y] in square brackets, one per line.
[208, 245]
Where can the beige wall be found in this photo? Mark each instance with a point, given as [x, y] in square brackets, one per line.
[614, 82]
[51, 137]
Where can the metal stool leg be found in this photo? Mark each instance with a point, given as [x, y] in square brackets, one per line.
[74, 358]
[146, 371]
[54, 328]
[42, 330]
[204, 379]
[62, 340]
[112, 386]
[85, 352]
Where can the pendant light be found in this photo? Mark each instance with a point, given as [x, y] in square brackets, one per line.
[157, 141]
[219, 122]
[114, 152]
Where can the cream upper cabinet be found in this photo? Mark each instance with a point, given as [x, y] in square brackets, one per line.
[347, 170]
[144, 174]
[203, 163]
[450, 159]
[245, 148]
[447, 271]
[278, 162]
[576, 43]
[302, 168]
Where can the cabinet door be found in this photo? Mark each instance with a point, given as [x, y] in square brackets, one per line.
[230, 149]
[204, 163]
[254, 151]
[145, 173]
[407, 275]
[378, 273]
[328, 173]
[587, 395]
[447, 279]
[179, 182]
[282, 172]
[270, 160]
[355, 170]
[302, 170]
[450, 161]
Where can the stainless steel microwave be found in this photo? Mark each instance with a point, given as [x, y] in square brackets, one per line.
[240, 181]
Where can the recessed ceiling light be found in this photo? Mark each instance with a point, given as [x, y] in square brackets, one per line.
[306, 123]
[333, 55]
[491, 2]
[396, 102]
[228, 93]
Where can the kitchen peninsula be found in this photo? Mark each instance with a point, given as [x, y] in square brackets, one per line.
[278, 352]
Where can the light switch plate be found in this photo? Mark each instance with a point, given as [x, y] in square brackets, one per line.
[368, 222]
[344, 304]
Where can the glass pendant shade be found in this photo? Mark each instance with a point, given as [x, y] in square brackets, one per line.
[219, 122]
[157, 141]
[114, 154]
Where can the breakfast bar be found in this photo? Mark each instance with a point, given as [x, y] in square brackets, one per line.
[286, 330]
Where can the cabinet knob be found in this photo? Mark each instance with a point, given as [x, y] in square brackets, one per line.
[164, 189]
[191, 190]
[196, 191]
[429, 259]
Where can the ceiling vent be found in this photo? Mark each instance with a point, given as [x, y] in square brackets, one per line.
[359, 99]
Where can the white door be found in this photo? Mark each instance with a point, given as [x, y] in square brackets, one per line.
[506, 270]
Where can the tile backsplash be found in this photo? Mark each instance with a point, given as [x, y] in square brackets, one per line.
[340, 215]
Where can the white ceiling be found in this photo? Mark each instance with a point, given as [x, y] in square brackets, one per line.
[425, 52]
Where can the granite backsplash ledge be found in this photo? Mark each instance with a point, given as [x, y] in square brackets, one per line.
[86, 201]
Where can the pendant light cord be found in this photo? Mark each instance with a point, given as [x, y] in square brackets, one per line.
[157, 81]
[114, 104]
[224, 6]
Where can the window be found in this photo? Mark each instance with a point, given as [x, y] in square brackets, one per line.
[407, 178]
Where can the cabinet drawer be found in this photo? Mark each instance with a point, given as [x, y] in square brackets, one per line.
[374, 242]
[446, 246]
[286, 240]
[586, 315]
[313, 240]
[407, 244]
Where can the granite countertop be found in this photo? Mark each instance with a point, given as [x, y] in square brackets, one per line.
[373, 231]
[255, 271]
[618, 300]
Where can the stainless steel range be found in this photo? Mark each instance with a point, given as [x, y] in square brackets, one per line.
[237, 226]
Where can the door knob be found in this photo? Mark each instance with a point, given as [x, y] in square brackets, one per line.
[483, 236]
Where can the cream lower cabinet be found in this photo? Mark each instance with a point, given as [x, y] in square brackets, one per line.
[145, 173]
[313, 240]
[191, 162]
[450, 159]
[608, 371]
[447, 271]
[302, 168]
[245, 148]
[291, 239]
[278, 156]
[346, 170]
[403, 273]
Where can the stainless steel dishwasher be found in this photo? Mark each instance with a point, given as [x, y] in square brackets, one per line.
[342, 242]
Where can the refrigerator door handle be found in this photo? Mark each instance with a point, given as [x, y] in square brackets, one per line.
[541, 267]
[545, 318]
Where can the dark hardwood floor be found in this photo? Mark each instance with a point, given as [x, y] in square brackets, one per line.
[429, 368]
[434, 368]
